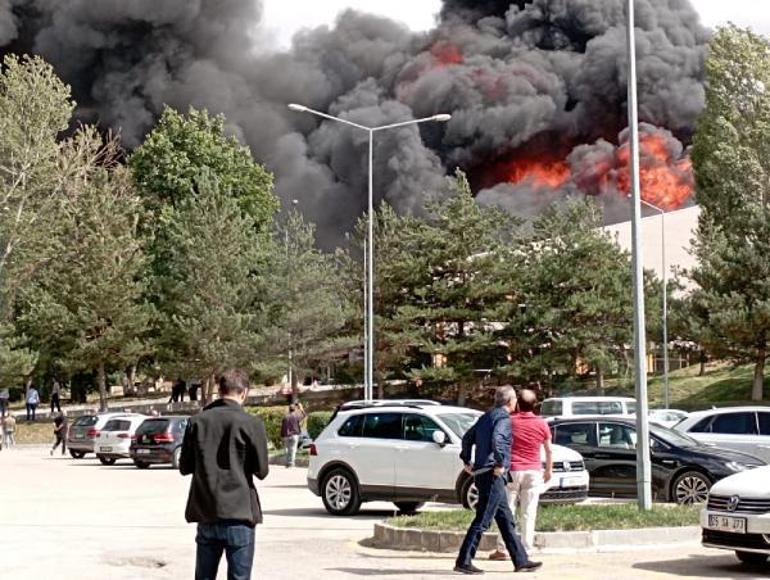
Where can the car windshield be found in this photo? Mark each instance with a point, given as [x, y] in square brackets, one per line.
[86, 421]
[673, 438]
[459, 423]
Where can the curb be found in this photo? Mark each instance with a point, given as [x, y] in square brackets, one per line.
[391, 538]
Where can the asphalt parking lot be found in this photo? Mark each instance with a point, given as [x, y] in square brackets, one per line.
[76, 518]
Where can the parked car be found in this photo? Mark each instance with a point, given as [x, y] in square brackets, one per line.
[667, 417]
[114, 441]
[404, 452]
[158, 440]
[741, 428]
[580, 406]
[82, 433]
[737, 516]
[683, 469]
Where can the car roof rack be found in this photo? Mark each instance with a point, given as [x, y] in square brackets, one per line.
[388, 403]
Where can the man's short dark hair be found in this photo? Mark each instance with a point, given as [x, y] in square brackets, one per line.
[233, 382]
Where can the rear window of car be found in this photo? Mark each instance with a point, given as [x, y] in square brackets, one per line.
[382, 426]
[117, 425]
[764, 423]
[597, 408]
[551, 408]
[153, 426]
[631, 407]
[86, 421]
[352, 427]
[735, 424]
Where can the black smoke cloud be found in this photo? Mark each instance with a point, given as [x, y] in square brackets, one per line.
[511, 74]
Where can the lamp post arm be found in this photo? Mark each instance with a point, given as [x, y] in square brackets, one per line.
[403, 123]
[332, 118]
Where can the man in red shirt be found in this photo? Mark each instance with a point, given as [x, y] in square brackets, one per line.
[527, 478]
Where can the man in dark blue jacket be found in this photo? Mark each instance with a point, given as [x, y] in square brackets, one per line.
[492, 437]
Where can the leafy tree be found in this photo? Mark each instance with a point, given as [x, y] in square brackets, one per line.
[87, 303]
[310, 298]
[212, 286]
[731, 156]
[16, 361]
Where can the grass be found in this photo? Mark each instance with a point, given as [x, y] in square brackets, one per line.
[34, 433]
[567, 518]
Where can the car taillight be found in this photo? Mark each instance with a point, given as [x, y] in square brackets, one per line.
[92, 433]
[124, 436]
[313, 450]
[163, 438]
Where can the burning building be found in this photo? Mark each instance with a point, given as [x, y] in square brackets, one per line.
[536, 88]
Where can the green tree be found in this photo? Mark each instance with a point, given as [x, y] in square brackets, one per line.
[16, 360]
[731, 156]
[310, 300]
[87, 302]
[213, 285]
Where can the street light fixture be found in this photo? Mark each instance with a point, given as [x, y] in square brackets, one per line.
[369, 259]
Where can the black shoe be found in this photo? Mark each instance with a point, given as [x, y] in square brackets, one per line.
[529, 567]
[468, 569]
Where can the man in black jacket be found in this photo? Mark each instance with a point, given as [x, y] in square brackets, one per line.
[223, 448]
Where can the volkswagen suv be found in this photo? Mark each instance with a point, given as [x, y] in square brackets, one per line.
[408, 453]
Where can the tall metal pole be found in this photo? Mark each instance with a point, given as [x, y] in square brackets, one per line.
[366, 317]
[666, 392]
[370, 270]
[643, 471]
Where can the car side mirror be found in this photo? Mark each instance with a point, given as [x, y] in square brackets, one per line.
[439, 438]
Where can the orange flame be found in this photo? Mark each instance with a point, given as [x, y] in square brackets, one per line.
[445, 53]
[540, 173]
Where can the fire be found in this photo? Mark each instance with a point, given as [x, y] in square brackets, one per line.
[539, 173]
[445, 53]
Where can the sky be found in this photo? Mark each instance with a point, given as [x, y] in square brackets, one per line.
[284, 17]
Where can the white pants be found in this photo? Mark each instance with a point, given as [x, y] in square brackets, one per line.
[524, 490]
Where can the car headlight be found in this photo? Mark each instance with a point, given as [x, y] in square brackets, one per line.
[735, 466]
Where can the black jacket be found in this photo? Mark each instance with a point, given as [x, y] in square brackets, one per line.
[223, 447]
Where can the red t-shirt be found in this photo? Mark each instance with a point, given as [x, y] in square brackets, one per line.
[529, 433]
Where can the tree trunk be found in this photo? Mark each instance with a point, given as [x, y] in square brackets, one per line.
[101, 380]
[295, 386]
[461, 395]
[758, 384]
[599, 379]
[703, 359]
[380, 389]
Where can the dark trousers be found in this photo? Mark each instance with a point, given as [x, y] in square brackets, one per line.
[31, 409]
[60, 439]
[235, 539]
[492, 505]
[55, 402]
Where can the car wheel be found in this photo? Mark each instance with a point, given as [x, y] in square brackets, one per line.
[408, 508]
[469, 495]
[175, 457]
[77, 454]
[340, 493]
[690, 488]
[751, 558]
[106, 460]
[142, 464]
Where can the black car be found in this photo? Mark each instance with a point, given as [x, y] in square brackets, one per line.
[158, 440]
[682, 468]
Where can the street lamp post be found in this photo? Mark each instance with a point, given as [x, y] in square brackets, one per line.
[662, 213]
[369, 319]
[643, 467]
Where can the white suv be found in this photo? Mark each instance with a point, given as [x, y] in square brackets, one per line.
[408, 453]
[737, 515]
[744, 429]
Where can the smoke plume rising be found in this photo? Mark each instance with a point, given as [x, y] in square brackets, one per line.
[536, 89]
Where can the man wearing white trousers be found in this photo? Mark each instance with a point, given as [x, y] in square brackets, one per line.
[527, 478]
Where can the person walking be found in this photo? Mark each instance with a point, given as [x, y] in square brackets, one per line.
[291, 429]
[491, 436]
[5, 395]
[9, 430]
[527, 479]
[60, 432]
[56, 397]
[32, 400]
[223, 448]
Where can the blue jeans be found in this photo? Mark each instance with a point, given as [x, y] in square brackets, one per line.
[235, 539]
[493, 505]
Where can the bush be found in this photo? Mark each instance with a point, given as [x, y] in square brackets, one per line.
[316, 422]
[272, 417]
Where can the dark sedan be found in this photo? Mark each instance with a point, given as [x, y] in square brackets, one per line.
[683, 469]
[158, 440]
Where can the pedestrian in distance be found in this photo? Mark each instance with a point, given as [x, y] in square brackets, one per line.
[32, 400]
[491, 436]
[56, 397]
[223, 448]
[5, 394]
[60, 432]
[291, 429]
[526, 479]
[9, 430]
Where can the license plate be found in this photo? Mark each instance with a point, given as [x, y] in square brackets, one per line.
[143, 451]
[78, 435]
[727, 524]
[105, 449]
[571, 481]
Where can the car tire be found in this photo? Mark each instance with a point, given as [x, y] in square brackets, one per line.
[175, 457]
[690, 487]
[142, 464]
[469, 495]
[106, 460]
[751, 558]
[77, 454]
[340, 493]
[408, 508]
